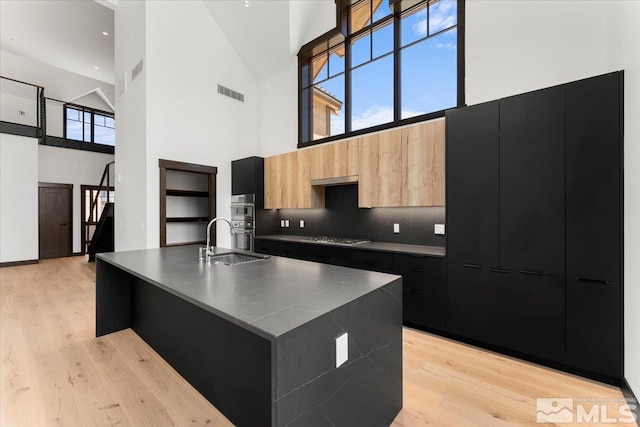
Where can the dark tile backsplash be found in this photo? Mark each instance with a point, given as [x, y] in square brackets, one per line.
[343, 218]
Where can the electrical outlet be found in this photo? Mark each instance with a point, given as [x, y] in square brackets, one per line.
[282, 223]
[302, 223]
[286, 223]
[342, 349]
[438, 229]
[396, 228]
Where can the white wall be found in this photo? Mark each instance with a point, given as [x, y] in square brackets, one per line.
[18, 198]
[518, 46]
[131, 128]
[624, 47]
[58, 83]
[65, 166]
[187, 120]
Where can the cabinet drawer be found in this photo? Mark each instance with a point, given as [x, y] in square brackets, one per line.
[423, 309]
[423, 273]
[371, 260]
[271, 247]
[324, 254]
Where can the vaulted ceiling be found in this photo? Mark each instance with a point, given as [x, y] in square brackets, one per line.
[67, 34]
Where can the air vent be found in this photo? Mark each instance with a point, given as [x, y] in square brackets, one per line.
[136, 70]
[230, 93]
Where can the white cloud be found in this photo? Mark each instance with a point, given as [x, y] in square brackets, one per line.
[441, 15]
[448, 46]
[375, 115]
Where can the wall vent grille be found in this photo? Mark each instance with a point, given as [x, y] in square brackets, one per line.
[136, 70]
[230, 93]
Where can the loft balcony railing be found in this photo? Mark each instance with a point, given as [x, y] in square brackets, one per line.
[22, 105]
[24, 110]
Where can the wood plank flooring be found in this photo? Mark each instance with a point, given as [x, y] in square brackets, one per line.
[54, 372]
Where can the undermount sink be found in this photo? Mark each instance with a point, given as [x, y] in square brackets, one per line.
[235, 258]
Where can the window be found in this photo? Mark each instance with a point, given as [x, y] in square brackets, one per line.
[388, 62]
[88, 125]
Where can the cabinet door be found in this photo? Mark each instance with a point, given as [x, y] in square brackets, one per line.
[423, 309]
[242, 176]
[334, 160]
[532, 173]
[473, 185]
[521, 312]
[594, 326]
[274, 182]
[380, 181]
[423, 171]
[593, 178]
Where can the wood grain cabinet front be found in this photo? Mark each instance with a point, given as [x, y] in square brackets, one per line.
[403, 167]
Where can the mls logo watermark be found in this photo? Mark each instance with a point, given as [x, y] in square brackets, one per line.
[587, 410]
[554, 410]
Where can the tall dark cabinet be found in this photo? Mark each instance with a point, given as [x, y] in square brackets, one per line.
[534, 223]
[594, 224]
[473, 177]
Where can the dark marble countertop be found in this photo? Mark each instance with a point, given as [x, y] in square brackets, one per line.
[434, 251]
[269, 297]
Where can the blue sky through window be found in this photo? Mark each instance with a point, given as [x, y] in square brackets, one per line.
[428, 61]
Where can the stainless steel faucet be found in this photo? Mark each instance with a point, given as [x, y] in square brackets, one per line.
[209, 251]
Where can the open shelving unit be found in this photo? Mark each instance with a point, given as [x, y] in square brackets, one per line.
[187, 202]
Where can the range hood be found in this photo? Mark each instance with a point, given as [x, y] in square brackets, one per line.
[328, 182]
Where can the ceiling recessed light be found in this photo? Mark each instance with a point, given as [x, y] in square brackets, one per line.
[246, 3]
[96, 67]
[104, 33]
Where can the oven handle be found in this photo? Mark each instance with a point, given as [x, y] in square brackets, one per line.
[233, 205]
[242, 231]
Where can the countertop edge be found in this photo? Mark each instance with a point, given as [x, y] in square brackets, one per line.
[430, 251]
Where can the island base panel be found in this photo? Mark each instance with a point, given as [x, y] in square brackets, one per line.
[367, 389]
[227, 364]
[113, 298]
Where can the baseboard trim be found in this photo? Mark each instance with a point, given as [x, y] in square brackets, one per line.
[17, 263]
[77, 253]
[632, 400]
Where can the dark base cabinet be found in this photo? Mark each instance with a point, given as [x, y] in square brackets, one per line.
[594, 327]
[424, 278]
[521, 312]
[424, 310]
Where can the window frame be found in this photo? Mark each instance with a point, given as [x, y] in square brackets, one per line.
[306, 53]
[90, 145]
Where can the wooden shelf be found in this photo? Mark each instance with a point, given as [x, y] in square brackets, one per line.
[189, 219]
[199, 242]
[187, 193]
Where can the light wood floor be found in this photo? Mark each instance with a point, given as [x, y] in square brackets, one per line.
[55, 372]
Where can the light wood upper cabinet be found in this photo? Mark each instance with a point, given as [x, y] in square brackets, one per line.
[398, 167]
[403, 167]
[287, 182]
[339, 159]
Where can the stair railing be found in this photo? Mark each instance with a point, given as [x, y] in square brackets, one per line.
[105, 180]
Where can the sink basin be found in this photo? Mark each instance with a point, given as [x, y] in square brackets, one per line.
[235, 258]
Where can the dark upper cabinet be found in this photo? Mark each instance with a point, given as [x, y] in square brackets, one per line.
[247, 176]
[594, 326]
[532, 206]
[473, 184]
[593, 113]
[521, 312]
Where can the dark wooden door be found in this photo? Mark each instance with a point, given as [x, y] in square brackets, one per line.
[54, 220]
[532, 174]
[473, 156]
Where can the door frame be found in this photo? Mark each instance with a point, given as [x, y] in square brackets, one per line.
[83, 214]
[63, 186]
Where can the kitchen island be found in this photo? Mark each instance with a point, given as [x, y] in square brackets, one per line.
[258, 340]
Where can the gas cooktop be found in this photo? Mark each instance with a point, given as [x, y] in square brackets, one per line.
[336, 240]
